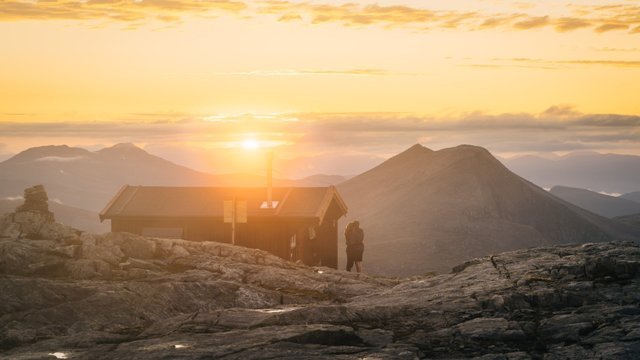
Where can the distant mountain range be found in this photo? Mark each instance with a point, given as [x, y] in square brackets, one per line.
[633, 196]
[88, 180]
[605, 205]
[425, 210]
[633, 220]
[422, 210]
[610, 173]
[80, 182]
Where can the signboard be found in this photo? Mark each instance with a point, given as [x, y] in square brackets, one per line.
[239, 212]
[235, 212]
[228, 211]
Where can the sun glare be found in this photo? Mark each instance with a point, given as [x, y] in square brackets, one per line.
[250, 144]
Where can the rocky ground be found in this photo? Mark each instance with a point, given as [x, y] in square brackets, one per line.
[70, 295]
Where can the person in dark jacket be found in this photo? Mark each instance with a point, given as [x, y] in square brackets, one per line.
[354, 237]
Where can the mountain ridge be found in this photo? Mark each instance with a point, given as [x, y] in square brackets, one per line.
[89, 179]
[633, 196]
[610, 173]
[434, 209]
[604, 205]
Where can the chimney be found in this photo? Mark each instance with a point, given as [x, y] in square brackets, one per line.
[270, 180]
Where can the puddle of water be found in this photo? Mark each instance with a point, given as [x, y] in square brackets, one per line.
[275, 311]
[59, 355]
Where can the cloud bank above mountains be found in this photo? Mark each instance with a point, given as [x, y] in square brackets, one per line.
[197, 140]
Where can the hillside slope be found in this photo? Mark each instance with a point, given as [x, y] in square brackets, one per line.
[633, 196]
[426, 210]
[604, 205]
[611, 173]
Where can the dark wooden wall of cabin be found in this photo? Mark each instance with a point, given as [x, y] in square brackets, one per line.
[323, 242]
[268, 235]
[265, 234]
[328, 236]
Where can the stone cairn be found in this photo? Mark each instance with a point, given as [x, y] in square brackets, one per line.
[35, 200]
[33, 220]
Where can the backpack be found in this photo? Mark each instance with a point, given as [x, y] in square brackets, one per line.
[348, 234]
[357, 236]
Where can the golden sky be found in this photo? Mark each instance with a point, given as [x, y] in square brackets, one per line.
[297, 73]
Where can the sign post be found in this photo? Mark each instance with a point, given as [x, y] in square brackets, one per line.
[235, 212]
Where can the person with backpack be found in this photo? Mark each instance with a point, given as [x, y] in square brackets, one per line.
[354, 237]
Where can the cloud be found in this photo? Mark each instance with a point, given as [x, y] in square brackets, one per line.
[616, 63]
[338, 135]
[311, 72]
[113, 10]
[609, 120]
[555, 117]
[13, 198]
[61, 158]
[290, 17]
[609, 27]
[569, 24]
[351, 14]
[599, 18]
[553, 64]
[532, 23]
[497, 21]
[560, 112]
[610, 49]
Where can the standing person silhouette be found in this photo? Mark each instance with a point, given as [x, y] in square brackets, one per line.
[354, 237]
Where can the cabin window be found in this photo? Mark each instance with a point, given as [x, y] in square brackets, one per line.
[265, 205]
[168, 233]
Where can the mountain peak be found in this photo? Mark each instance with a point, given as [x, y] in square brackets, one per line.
[472, 149]
[122, 149]
[418, 148]
[414, 151]
[50, 152]
[477, 153]
[122, 146]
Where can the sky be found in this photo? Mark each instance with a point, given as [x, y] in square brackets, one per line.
[329, 86]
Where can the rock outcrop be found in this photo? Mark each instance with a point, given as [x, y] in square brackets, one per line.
[36, 200]
[120, 295]
[33, 219]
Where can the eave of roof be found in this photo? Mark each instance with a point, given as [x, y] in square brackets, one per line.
[127, 193]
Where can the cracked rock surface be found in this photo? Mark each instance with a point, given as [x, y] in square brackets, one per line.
[121, 296]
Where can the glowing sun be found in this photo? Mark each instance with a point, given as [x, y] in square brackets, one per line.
[250, 144]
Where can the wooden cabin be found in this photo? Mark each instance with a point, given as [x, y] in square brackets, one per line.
[300, 224]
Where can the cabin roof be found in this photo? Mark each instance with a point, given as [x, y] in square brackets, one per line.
[185, 202]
